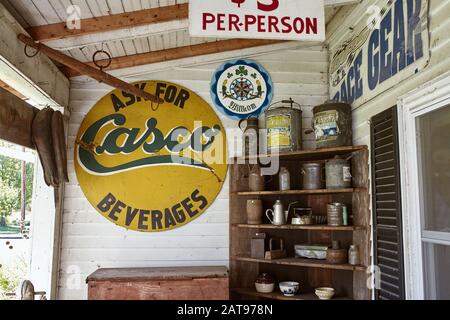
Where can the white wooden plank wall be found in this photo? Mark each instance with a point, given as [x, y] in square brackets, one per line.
[89, 241]
[439, 64]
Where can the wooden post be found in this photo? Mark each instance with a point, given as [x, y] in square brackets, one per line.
[23, 196]
[87, 70]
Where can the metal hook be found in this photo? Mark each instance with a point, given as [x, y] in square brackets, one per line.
[30, 55]
[101, 67]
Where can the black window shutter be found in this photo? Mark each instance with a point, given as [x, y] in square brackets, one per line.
[386, 205]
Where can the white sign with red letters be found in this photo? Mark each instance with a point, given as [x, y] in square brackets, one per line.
[258, 19]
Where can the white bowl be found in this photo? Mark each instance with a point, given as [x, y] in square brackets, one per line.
[264, 287]
[325, 293]
[289, 288]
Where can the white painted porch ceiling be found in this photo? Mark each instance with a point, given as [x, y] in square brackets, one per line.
[31, 13]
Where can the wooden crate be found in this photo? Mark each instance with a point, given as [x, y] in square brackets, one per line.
[176, 283]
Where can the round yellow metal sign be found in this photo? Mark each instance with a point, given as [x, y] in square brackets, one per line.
[151, 168]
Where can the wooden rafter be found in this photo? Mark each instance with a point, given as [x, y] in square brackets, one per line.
[12, 90]
[88, 70]
[110, 23]
[127, 20]
[178, 53]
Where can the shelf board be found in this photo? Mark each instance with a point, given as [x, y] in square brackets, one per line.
[318, 227]
[298, 192]
[308, 155]
[276, 295]
[302, 262]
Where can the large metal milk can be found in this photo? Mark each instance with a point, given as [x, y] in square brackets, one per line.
[284, 127]
[332, 124]
[338, 173]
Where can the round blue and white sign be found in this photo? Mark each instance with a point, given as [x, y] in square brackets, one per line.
[241, 89]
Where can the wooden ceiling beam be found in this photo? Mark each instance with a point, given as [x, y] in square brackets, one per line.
[10, 89]
[128, 20]
[88, 70]
[113, 22]
[177, 53]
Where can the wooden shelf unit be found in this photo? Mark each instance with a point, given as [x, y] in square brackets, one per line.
[302, 262]
[318, 227]
[299, 192]
[308, 155]
[277, 295]
[349, 281]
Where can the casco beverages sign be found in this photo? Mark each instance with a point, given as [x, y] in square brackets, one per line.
[151, 169]
[263, 19]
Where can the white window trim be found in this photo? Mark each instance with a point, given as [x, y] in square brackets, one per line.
[429, 97]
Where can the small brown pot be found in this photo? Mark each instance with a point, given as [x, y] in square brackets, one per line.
[336, 255]
[254, 211]
[256, 182]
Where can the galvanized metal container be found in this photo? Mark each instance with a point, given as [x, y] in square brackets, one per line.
[338, 173]
[334, 214]
[313, 178]
[284, 127]
[332, 124]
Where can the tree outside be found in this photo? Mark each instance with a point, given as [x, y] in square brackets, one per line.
[16, 191]
[10, 191]
[10, 276]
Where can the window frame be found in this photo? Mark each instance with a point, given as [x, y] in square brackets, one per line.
[427, 98]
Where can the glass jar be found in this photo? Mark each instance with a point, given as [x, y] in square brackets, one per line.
[353, 255]
[285, 179]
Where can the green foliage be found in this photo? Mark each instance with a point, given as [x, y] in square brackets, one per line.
[9, 199]
[11, 275]
[10, 184]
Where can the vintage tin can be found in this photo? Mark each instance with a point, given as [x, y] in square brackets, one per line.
[313, 178]
[332, 125]
[338, 173]
[335, 214]
[284, 127]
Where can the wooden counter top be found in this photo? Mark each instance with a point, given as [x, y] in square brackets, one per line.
[157, 273]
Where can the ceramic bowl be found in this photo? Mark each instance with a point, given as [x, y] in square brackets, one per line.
[325, 293]
[264, 287]
[289, 288]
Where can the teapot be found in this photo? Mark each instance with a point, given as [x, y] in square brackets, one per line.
[278, 216]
